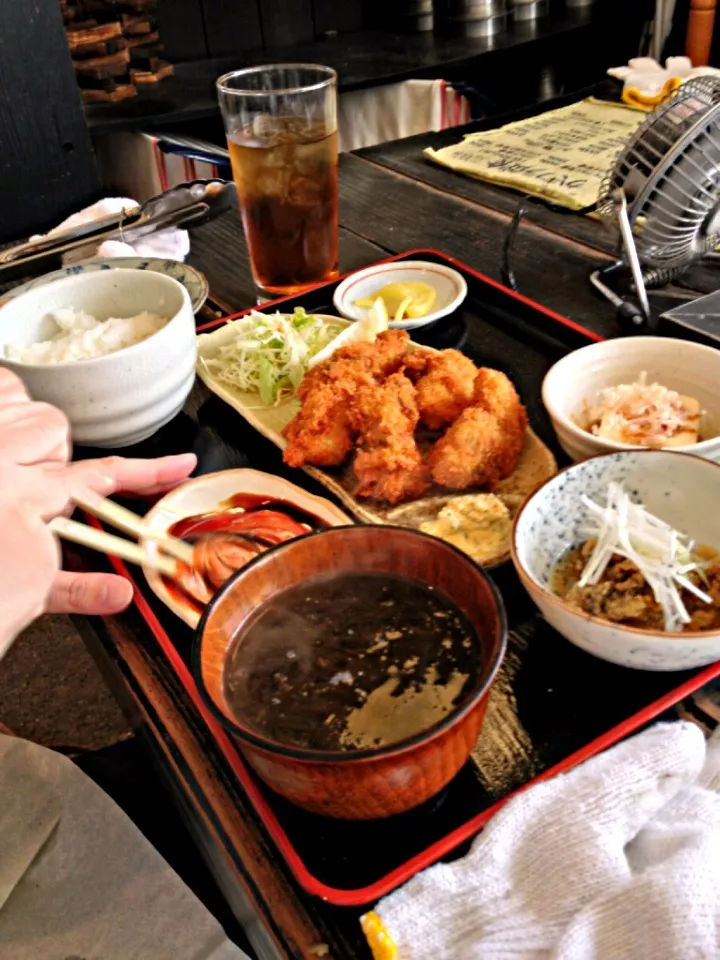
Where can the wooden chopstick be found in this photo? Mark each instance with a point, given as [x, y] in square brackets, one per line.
[130, 522]
[115, 546]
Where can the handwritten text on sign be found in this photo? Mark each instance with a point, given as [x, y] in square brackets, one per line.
[562, 155]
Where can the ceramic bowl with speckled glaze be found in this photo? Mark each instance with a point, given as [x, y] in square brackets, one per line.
[190, 277]
[682, 489]
[575, 382]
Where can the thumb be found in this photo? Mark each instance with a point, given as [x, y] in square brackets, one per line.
[93, 594]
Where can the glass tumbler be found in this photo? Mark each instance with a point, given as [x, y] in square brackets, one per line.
[281, 127]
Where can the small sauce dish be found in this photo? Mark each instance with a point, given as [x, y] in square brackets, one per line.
[449, 286]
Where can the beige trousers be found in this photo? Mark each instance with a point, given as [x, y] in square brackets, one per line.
[78, 881]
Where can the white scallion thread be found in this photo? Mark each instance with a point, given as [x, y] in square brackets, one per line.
[662, 555]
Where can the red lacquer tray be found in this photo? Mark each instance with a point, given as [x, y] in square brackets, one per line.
[553, 706]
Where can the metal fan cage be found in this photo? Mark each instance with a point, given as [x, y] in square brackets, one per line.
[670, 174]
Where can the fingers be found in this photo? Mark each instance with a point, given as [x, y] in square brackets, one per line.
[29, 561]
[12, 389]
[92, 594]
[119, 475]
[47, 490]
[148, 476]
[50, 489]
[32, 433]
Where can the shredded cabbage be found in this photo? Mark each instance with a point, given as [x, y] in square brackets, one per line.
[270, 353]
[662, 555]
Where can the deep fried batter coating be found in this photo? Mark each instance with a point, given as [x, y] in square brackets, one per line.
[496, 393]
[362, 362]
[415, 363]
[446, 388]
[388, 465]
[392, 474]
[384, 412]
[341, 375]
[382, 357]
[320, 433]
[469, 453]
[364, 395]
[484, 444]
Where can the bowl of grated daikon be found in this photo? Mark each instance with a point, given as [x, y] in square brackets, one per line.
[636, 392]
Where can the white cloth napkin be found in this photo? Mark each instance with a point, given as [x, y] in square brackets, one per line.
[616, 860]
[649, 77]
[167, 244]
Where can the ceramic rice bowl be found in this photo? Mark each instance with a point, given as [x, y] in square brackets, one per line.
[123, 397]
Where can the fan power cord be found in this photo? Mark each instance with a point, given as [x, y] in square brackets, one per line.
[630, 316]
[506, 272]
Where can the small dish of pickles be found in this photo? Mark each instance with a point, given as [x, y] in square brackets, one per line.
[414, 292]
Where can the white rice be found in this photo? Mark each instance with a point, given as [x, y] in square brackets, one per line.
[81, 337]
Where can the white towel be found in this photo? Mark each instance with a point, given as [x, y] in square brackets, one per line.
[167, 244]
[616, 860]
[379, 114]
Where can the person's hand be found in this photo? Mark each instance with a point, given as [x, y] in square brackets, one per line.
[101, 594]
[34, 449]
[30, 432]
[29, 565]
[49, 489]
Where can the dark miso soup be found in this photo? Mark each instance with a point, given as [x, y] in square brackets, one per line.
[352, 661]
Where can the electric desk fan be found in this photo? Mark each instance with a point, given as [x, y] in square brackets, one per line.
[664, 195]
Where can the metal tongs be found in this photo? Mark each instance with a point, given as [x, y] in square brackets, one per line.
[187, 205]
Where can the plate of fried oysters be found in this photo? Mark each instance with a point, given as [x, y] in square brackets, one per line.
[403, 434]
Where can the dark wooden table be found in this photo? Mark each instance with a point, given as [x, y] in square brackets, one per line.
[384, 211]
[389, 203]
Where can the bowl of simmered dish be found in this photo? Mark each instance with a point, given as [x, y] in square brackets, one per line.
[636, 392]
[621, 553]
[353, 666]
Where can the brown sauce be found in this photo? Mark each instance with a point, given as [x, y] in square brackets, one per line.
[225, 539]
[240, 503]
[352, 661]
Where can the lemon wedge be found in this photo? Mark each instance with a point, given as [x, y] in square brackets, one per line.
[400, 312]
[421, 298]
[362, 331]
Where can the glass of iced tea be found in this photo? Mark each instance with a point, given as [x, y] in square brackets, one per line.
[281, 126]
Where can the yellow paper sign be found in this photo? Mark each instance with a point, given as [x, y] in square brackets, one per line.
[562, 155]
